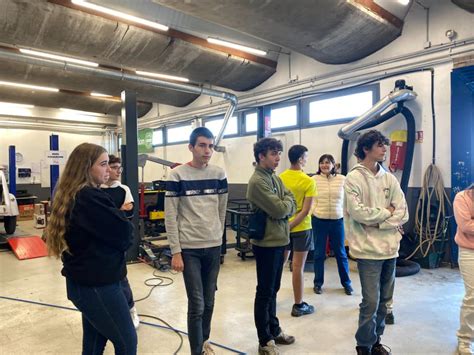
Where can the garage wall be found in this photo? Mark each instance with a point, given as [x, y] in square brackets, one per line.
[443, 16]
[33, 144]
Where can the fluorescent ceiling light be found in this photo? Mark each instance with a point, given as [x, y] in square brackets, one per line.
[59, 57]
[52, 126]
[162, 76]
[87, 113]
[98, 94]
[121, 15]
[26, 86]
[236, 46]
[404, 2]
[11, 104]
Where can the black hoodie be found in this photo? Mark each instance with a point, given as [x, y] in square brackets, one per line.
[98, 234]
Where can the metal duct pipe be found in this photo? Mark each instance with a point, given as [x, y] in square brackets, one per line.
[411, 133]
[119, 75]
[433, 56]
[52, 127]
[143, 158]
[227, 116]
[349, 131]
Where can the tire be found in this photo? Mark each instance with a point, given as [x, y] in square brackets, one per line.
[406, 268]
[10, 224]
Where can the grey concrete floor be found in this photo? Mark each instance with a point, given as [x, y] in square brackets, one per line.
[426, 311]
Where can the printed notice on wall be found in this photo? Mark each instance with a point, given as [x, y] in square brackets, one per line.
[55, 157]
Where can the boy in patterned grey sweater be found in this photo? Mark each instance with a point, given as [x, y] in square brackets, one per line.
[195, 208]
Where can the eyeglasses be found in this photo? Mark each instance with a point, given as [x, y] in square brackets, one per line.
[118, 168]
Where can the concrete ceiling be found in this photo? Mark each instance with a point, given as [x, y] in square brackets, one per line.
[467, 5]
[330, 31]
[54, 28]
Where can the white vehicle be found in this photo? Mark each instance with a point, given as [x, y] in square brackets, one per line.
[8, 206]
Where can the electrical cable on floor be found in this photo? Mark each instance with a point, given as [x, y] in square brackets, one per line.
[160, 283]
[15, 299]
[181, 340]
[432, 194]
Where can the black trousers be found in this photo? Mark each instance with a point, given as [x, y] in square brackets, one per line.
[269, 269]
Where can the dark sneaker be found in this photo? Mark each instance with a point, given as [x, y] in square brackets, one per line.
[284, 339]
[389, 318]
[318, 290]
[362, 350]
[302, 310]
[348, 290]
[379, 349]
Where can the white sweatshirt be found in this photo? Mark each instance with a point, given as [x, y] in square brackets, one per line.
[371, 230]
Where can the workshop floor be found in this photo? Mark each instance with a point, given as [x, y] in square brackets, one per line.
[426, 310]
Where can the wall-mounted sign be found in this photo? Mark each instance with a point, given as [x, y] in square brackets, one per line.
[55, 157]
[145, 140]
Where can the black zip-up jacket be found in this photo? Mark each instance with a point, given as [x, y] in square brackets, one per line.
[98, 234]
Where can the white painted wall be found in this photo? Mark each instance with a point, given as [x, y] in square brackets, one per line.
[33, 145]
[238, 158]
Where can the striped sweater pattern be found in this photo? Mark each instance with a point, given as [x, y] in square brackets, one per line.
[195, 207]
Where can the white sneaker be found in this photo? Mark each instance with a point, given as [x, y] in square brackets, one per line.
[269, 349]
[134, 315]
[207, 348]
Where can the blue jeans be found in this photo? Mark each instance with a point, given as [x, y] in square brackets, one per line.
[201, 268]
[269, 269]
[127, 291]
[334, 228]
[377, 280]
[105, 316]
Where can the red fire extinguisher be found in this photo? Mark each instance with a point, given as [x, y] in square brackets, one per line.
[398, 148]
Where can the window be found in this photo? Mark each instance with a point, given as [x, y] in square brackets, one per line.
[285, 116]
[157, 137]
[178, 134]
[251, 122]
[341, 106]
[215, 125]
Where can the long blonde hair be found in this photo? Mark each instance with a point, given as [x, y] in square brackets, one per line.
[76, 175]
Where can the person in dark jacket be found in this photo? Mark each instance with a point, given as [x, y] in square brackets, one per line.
[123, 199]
[91, 236]
[267, 193]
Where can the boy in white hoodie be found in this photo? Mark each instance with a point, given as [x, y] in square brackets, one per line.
[374, 209]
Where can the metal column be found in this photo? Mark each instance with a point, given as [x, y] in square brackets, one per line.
[129, 154]
[12, 169]
[263, 123]
[53, 169]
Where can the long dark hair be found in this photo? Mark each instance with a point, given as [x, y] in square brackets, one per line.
[331, 159]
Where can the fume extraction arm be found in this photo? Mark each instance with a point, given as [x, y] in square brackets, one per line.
[374, 117]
